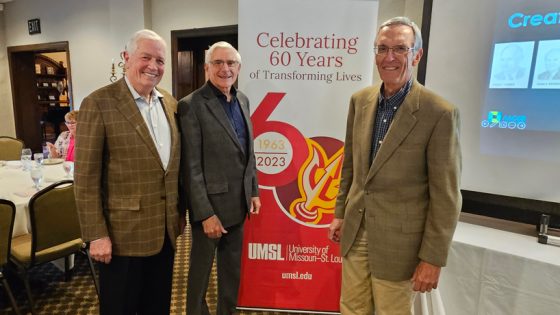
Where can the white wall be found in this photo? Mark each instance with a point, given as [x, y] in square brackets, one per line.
[6, 110]
[95, 29]
[168, 15]
[98, 29]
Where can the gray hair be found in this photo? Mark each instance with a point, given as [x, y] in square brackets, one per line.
[403, 20]
[142, 34]
[222, 44]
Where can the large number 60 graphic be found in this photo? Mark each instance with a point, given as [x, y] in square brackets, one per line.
[296, 140]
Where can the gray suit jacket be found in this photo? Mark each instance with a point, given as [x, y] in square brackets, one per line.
[410, 194]
[218, 177]
[122, 190]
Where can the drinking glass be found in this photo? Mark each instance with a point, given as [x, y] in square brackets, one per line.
[68, 167]
[37, 176]
[46, 152]
[38, 157]
[26, 159]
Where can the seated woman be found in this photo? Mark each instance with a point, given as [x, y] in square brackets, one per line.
[64, 145]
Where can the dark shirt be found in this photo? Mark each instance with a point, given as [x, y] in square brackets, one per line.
[234, 114]
[386, 109]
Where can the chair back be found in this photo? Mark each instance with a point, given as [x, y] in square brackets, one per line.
[53, 216]
[10, 148]
[7, 216]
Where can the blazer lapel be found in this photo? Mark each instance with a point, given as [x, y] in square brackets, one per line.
[216, 108]
[367, 120]
[173, 132]
[247, 117]
[401, 126]
[127, 106]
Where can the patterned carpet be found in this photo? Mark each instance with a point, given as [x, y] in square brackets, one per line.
[54, 296]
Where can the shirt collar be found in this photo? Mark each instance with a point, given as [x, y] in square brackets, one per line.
[136, 95]
[219, 93]
[400, 94]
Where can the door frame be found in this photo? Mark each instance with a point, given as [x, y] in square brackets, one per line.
[21, 107]
[199, 33]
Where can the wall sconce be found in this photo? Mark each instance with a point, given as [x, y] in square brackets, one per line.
[113, 76]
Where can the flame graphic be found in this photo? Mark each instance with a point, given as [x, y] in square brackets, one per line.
[318, 182]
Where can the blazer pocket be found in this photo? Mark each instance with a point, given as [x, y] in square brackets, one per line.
[216, 188]
[124, 203]
[413, 226]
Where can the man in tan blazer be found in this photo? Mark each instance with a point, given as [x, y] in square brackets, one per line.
[399, 195]
[126, 174]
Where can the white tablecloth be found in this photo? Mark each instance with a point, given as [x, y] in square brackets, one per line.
[14, 182]
[496, 272]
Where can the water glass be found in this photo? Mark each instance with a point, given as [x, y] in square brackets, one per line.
[38, 157]
[46, 153]
[37, 176]
[26, 159]
[68, 167]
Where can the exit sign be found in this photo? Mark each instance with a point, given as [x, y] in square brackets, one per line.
[34, 26]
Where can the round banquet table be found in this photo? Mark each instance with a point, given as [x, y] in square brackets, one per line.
[17, 186]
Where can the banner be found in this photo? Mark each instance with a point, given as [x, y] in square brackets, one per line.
[301, 62]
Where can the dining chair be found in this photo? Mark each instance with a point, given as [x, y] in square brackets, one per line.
[7, 216]
[55, 233]
[10, 148]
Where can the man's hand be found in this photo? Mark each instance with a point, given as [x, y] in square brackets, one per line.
[213, 227]
[335, 230]
[255, 205]
[101, 249]
[425, 277]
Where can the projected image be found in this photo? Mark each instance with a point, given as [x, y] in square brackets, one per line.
[511, 65]
[547, 67]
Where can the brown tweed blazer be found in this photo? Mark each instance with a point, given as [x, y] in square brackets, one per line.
[122, 190]
[410, 194]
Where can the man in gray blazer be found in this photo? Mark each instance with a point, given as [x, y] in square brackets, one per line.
[127, 170]
[218, 171]
[399, 196]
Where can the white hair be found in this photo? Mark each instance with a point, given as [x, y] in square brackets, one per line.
[403, 20]
[226, 45]
[142, 34]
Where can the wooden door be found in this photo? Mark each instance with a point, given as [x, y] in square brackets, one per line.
[28, 91]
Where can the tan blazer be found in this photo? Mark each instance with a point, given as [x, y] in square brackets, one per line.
[122, 190]
[409, 195]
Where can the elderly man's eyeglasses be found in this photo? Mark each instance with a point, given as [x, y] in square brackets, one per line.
[397, 50]
[70, 122]
[229, 63]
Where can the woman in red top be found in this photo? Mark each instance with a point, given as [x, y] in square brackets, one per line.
[64, 145]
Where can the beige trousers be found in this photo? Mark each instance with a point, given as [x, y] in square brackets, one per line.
[362, 293]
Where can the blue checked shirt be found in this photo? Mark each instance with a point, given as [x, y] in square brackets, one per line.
[386, 109]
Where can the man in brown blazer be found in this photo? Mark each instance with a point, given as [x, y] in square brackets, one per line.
[399, 195]
[219, 171]
[126, 174]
